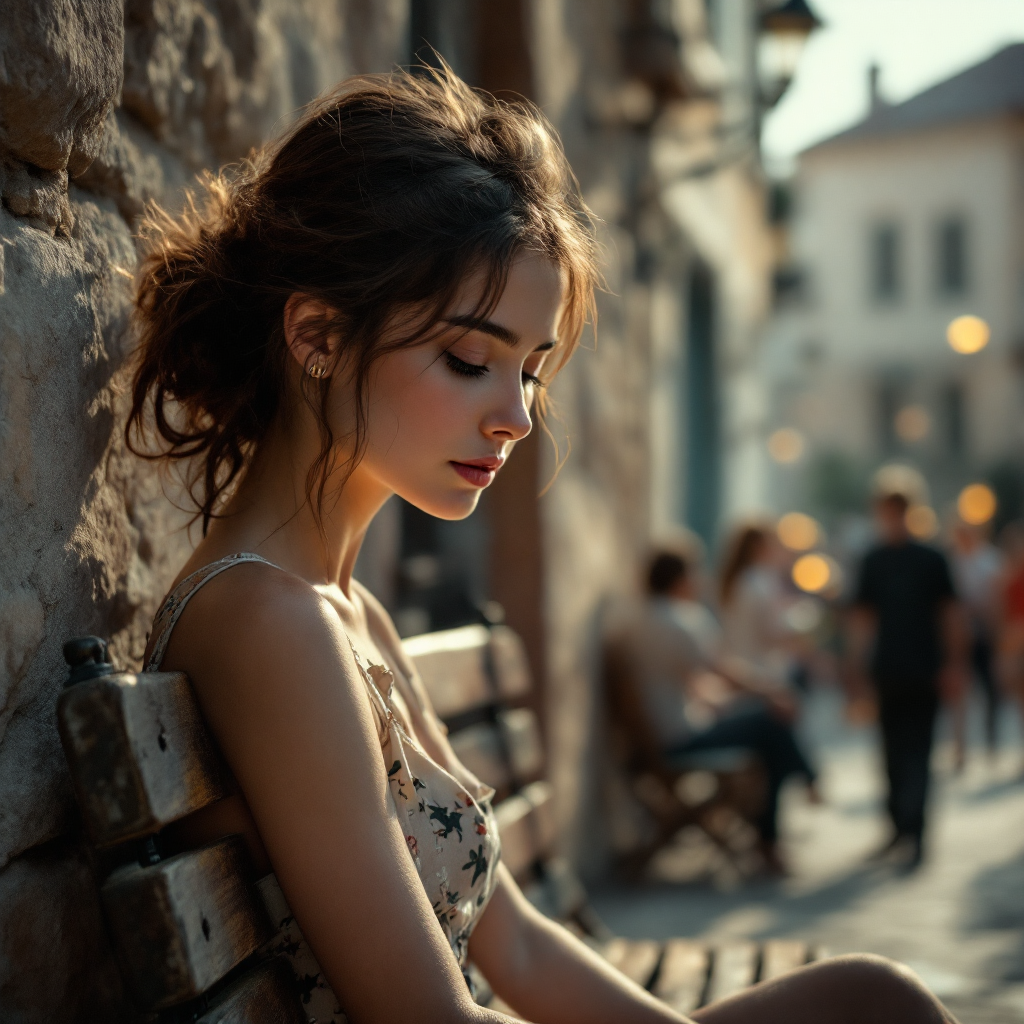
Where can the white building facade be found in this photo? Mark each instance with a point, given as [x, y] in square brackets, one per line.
[903, 223]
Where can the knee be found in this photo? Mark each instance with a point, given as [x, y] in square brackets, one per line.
[874, 983]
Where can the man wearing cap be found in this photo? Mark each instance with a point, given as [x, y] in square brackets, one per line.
[907, 635]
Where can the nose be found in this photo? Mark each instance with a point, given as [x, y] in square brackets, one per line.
[509, 419]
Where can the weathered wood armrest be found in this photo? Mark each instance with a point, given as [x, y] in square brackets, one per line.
[187, 929]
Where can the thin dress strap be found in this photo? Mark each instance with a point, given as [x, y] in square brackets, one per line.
[180, 596]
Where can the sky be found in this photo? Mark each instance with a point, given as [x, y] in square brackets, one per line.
[915, 42]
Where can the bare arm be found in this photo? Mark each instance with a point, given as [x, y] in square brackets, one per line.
[547, 974]
[278, 685]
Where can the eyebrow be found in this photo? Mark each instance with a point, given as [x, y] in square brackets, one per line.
[504, 334]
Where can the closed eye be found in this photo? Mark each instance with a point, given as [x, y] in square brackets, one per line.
[462, 368]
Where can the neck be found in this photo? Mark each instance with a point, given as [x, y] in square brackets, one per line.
[271, 515]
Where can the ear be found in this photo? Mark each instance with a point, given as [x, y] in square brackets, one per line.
[310, 345]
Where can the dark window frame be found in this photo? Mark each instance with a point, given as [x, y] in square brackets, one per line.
[885, 262]
[951, 247]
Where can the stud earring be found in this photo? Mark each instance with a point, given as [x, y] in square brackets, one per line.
[318, 369]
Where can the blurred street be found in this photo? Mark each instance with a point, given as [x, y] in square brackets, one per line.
[958, 921]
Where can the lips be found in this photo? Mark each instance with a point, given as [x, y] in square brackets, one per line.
[478, 472]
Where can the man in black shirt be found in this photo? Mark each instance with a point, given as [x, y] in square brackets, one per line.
[905, 613]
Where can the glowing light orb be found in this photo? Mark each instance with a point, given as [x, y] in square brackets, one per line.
[922, 522]
[812, 573]
[786, 445]
[797, 531]
[968, 334]
[977, 504]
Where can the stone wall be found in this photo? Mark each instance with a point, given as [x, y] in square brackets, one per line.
[104, 105]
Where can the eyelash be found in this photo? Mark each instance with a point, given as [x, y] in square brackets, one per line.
[464, 369]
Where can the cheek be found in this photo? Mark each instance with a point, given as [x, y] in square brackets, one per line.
[416, 406]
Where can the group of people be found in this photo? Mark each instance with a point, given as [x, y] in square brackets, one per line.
[920, 627]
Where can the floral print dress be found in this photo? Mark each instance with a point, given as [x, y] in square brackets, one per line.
[449, 826]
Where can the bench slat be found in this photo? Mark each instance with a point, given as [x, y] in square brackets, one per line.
[542, 798]
[180, 925]
[635, 958]
[470, 667]
[733, 969]
[521, 733]
[780, 956]
[525, 823]
[267, 995]
[453, 666]
[683, 975]
[138, 753]
[518, 848]
[481, 749]
[510, 665]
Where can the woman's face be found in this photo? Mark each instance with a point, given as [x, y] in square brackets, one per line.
[443, 417]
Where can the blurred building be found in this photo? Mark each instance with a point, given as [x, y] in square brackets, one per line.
[659, 105]
[910, 219]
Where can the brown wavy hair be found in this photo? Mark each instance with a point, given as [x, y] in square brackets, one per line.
[380, 201]
[741, 551]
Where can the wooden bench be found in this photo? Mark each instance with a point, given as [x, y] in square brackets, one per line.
[188, 927]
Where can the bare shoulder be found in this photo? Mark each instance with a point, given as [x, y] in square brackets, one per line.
[251, 633]
[250, 605]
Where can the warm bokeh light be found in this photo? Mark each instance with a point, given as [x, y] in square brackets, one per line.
[922, 522]
[976, 504]
[812, 573]
[797, 531]
[967, 334]
[912, 423]
[786, 445]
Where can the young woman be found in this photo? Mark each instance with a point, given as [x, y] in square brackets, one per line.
[752, 602]
[372, 307]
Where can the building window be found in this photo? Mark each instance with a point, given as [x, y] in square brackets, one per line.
[951, 257]
[885, 263]
[892, 397]
[954, 418]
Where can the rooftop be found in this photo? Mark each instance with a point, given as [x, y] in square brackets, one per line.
[993, 87]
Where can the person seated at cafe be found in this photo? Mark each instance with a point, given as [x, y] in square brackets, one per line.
[698, 698]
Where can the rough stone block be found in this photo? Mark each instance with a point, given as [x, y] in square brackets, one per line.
[69, 496]
[62, 68]
[56, 964]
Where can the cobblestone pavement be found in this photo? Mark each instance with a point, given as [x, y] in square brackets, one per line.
[958, 921]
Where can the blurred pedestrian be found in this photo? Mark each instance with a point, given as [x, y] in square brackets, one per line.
[907, 636]
[977, 570]
[697, 698]
[1010, 642]
[753, 601]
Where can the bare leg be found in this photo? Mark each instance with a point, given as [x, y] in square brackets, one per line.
[856, 989]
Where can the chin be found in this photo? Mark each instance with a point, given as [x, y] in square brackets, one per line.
[451, 505]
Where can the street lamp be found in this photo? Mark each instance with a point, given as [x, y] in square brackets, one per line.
[785, 28]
